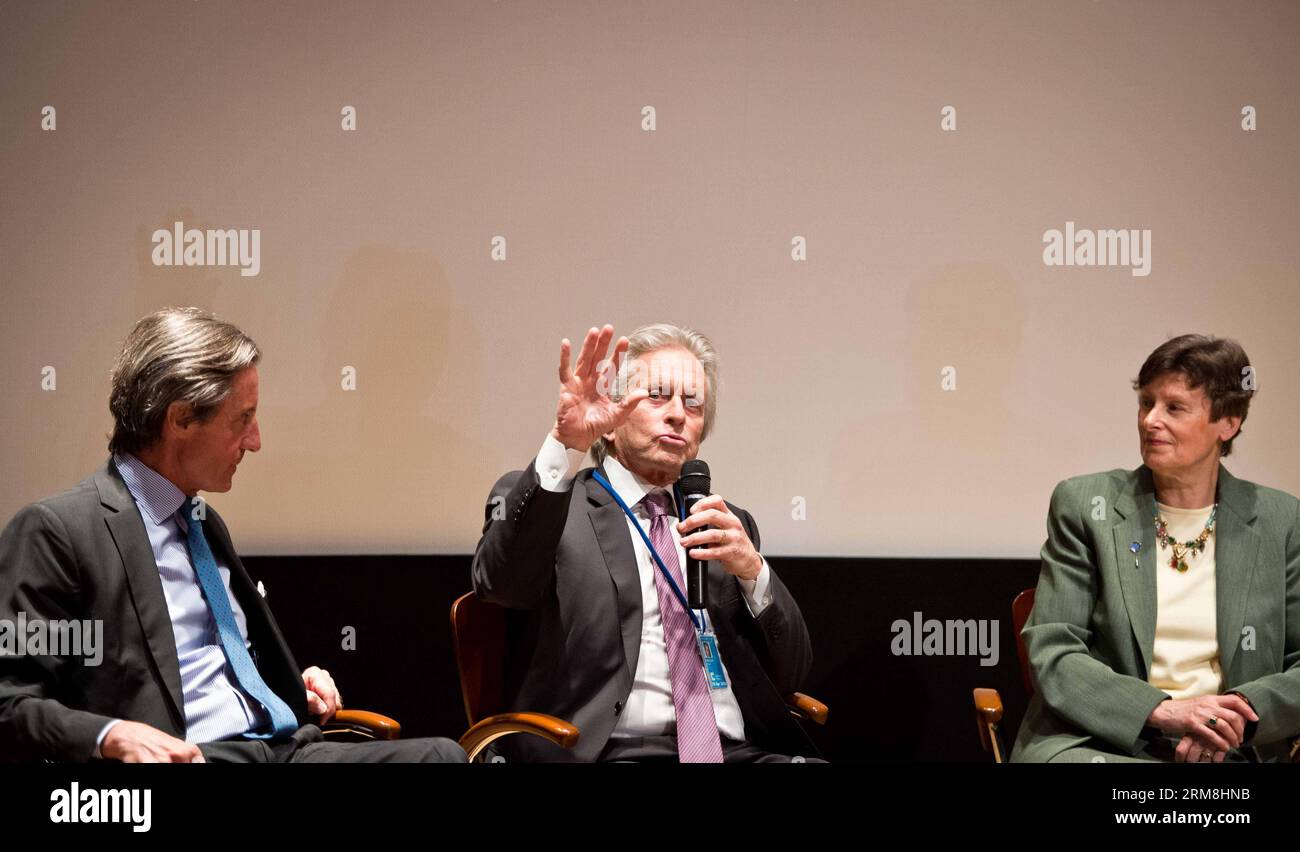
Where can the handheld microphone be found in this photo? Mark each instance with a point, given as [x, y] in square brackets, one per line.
[694, 484]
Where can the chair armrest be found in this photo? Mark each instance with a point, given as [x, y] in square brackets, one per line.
[362, 723]
[558, 731]
[988, 715]
[988, 704]
[807, 707]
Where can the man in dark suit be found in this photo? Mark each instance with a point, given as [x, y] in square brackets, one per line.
[192, 667]
[598, 635]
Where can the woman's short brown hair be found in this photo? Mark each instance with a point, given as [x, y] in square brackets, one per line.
[1217, 365]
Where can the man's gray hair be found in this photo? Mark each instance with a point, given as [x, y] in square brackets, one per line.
[649, 338]
[175, 355]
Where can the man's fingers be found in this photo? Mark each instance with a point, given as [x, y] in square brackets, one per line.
[593, 351]
[620, 349]
[699, 538]
[708, 518]
[1184, 746]
[602, 346]
[713, 501]
[607, 368]
[323, 698]
[583, 367]
[566, 375]
[632, 400]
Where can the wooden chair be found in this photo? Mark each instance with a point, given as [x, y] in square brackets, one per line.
[988, 702]
[478, 632]
[479, 635]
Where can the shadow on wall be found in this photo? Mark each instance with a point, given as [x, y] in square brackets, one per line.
[382, 467]
[967, 317]
[393, 456]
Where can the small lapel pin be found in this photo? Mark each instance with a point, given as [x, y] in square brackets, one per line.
[261, 590]
[1135, 547]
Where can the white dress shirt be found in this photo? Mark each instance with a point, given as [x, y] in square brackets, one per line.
[649, 710]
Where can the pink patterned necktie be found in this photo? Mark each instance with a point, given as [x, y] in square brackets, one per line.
[697, 730]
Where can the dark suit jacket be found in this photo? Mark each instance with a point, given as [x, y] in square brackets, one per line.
[1090, 636]
[84, 554]
[565, 565]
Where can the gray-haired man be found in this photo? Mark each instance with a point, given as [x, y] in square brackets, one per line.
[602, 635]
[195, 668]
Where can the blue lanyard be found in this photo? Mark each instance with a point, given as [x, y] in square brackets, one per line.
[677, 592]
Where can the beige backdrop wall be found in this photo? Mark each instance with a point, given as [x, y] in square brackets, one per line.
[772, 120]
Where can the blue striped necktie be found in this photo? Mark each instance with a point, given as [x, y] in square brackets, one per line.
[283, 721]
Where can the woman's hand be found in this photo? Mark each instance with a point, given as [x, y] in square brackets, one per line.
[1213, 723]
[1189, 750]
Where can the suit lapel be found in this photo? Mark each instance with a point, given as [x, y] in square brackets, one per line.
[142, 579]
[1236, 545]
[1135, 507]
[1235, 551]
[610, 525]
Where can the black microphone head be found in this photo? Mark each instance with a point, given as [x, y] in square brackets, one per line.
[695, 478]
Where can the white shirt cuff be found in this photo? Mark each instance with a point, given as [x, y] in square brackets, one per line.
[758, 593]
[103, 732]
[557, 465]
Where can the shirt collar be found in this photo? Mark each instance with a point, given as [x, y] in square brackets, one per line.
[154, 493]
[631, 487]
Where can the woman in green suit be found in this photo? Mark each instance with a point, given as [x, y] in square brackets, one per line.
[1166, 625]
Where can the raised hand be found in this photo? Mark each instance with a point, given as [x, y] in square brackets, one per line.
[585, 413]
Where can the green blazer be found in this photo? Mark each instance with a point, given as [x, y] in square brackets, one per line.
[1090, 635]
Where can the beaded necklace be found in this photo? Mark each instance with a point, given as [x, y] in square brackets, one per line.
[1195, 547]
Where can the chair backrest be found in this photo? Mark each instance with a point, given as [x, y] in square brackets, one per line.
[478, 631]
[1020, 609]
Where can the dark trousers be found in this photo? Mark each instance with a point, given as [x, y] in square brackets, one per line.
[664, 750]
[308, 745]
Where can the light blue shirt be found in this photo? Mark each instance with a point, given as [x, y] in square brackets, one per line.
[215, 707]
